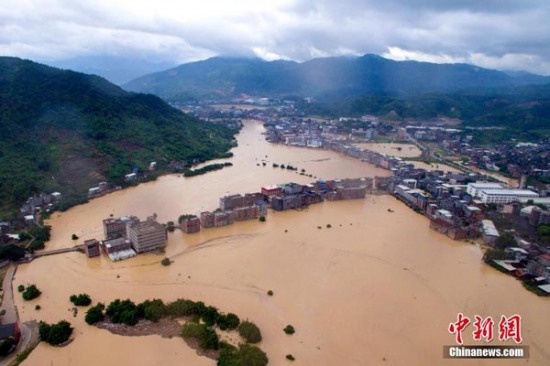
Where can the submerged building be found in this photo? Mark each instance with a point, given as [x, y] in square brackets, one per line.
[191, 224]
[147, 235]
[116, 228]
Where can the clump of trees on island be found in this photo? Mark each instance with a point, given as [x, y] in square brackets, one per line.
[55, 334]
[81, 300]
[205, 169]
[201, 326]
[31, 292]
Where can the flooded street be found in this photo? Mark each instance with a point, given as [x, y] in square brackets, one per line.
[378, 287]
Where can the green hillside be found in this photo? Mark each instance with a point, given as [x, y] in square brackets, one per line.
[326, 79]
[65, 131]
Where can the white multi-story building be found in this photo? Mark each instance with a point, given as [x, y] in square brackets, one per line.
[504, 196]
[473, 189]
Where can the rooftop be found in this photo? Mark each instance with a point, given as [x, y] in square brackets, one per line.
[486, 185]
[509, 192]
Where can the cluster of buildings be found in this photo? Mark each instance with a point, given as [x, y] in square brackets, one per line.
[237, 207]
[457, 205]
[125, 237]
[37, 204]
[454, 202]
[102, 189]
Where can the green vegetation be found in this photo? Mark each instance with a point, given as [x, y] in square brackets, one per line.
[74, 237]
[170, 226]
[245, 355]
[55, 334]
[123, 311]
[31, 292]
[206, 337]
[228, 322]
[95, 314]
[37, 307]
[81, 300]
[504, 241]
[544, 233]
[38, 235]
[250, 332]
[262, 218]
[289, 329]
[81, 129]
[492, 254]
[166, 262]
[290, 357]
[21, 288]
[205, 169]
[11, 252]
[270, 293]
[200, 328]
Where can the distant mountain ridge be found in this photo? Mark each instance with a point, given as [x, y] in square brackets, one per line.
[117, 69]
[66, 131]
[322, 78]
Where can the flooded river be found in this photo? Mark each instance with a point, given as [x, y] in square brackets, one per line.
[378, 287]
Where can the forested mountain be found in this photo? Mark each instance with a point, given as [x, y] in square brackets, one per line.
[525, 108]
[323, 78]
[65, 131]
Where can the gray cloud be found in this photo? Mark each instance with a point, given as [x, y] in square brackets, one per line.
[504, 34]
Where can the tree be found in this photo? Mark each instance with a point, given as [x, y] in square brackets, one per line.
[153, 310]
[504, 241]
[95, 314]
[55, 334]
[170, 226]
[289, 329]
[245, 355]
[11, 252]
[207, 338]
[166, 262]
[81, 300]
[74, 237]
[262, 218]
[31, 292]
[250, 332]
[229, 321]
[210, 316]
[123, 311]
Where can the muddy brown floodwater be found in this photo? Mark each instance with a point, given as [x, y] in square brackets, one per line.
[378, 287]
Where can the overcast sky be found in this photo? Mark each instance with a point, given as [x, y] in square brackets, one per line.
[501, 34]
